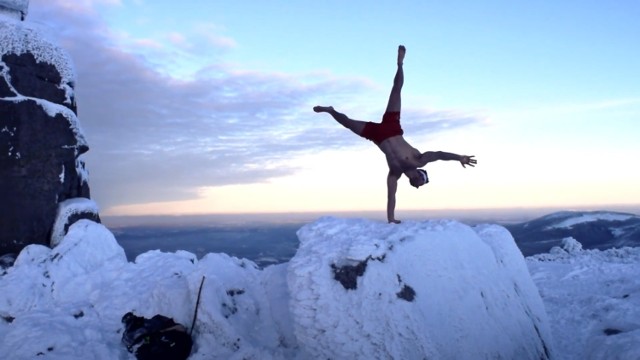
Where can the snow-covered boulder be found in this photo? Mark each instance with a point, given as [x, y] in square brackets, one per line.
[438, 290]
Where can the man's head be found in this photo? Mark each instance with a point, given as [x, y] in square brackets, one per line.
[418, 177]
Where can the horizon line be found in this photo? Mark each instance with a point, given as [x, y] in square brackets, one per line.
[507, 214]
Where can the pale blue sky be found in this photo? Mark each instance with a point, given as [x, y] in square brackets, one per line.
[544, 93]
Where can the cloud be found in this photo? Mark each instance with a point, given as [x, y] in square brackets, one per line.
[158, 138]
[155, 137]
[421, 122]
[211, 33]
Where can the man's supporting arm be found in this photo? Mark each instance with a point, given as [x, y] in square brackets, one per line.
[392, 186]
[431, 156]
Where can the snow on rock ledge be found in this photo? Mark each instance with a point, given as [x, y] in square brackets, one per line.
[70, 211]
[436, 289]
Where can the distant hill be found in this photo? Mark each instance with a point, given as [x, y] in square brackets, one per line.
[594, 229]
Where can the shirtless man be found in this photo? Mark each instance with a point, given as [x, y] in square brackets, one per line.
[402, 158]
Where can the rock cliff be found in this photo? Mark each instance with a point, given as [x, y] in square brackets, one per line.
[41, 141]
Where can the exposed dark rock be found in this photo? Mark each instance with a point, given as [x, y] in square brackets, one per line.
[5, 90]
[34, 151]
[37, 79]
[407, 293]
[234, 292]
[348, 275]
[610, 331]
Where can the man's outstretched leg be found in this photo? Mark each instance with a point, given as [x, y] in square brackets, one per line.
[354, 125]
[394, 99]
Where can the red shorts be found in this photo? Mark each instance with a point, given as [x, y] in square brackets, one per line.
[390, 126]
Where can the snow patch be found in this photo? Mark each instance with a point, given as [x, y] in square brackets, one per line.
[61, 176]
[54, 109]
[81, 170]
[569, 245]
[593, 299]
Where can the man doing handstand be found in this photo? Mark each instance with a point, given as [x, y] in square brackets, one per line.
[402, 158]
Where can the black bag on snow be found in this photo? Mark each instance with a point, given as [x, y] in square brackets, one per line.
[158, 338]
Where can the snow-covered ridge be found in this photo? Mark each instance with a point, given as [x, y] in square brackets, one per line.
[356, 288]
[585, 218]
[593, 229]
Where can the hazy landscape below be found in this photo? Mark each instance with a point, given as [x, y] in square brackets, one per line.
[271, 238]
[473, 216]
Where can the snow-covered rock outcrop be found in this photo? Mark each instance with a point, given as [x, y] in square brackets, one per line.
[67, 302]
[41, 142]
[356, 289]
[419, 290]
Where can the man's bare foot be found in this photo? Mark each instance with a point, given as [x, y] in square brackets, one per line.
[401, 52]
[319, 109]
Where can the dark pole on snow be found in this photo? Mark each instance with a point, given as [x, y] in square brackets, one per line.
[195, 314]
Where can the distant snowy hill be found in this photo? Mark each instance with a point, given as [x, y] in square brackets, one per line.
[594, 230]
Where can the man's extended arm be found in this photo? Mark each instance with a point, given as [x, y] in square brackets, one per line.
[431, 156]
[392, 186]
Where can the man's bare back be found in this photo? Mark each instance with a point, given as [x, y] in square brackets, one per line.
[402, 158]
